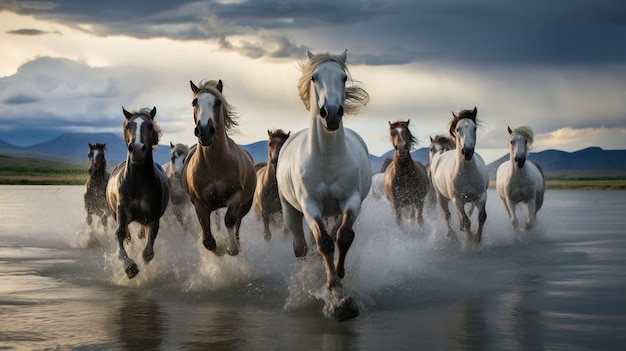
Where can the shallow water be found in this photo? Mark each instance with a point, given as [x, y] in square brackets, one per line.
[561, 286]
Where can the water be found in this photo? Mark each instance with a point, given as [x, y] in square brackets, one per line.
[561, 286]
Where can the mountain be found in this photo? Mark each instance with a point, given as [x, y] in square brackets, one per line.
[73, 148]
[589, 162]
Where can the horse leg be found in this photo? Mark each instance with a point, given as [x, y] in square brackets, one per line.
[482, 216]
[345, 236]
[513, 215]
[204, 217]
[293, 222]
[153, 230]
[465, 223]
[267, 233]
[130, 267]
[531, 214]
[397, 207]
[232, 219]
[443, 202]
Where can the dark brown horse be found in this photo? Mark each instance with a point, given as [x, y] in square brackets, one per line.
[95, 188]
[266, 201]
[406, 181]
[138, 190]
[218, 173]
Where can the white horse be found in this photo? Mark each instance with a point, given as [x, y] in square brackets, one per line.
[520, 181]
[324, 171]
[460, 175]
[180, 204]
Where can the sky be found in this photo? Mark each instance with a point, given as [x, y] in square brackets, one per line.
[557, 66]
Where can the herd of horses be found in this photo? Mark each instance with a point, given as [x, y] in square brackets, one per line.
[318, 173]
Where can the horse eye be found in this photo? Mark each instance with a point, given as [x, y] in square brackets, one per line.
[313, 79]
[345, 79]
[194, 102]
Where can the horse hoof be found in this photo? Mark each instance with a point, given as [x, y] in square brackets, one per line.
[132, 270]
[210, 244]
[233, 251]
[148, 256]
[345, 309]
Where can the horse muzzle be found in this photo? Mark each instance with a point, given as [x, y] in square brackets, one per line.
[205, 134]
[137, 153]
[468, 153]
[520, 161]
[331, 115]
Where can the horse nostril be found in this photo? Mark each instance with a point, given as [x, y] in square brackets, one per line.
[323, 112]
[340, 111]
[211, 130]
[130, 147]
[143, 147]
[196, 131]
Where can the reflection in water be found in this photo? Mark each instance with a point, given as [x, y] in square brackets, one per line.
[468, 329]
[140, 323]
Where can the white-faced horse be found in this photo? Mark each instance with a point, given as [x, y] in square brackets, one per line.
[460, 175]
[324, 171]
[138, 190]
[218, 173]
[519, 180]
[180, 204]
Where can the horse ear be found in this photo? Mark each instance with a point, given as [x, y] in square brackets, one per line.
[153, 112]
[219, 86]
[127, 114]
[454, 115]
[431, 138]
[288, 134]
[475, 112]
[171, 145]
[344, 55]
[509, 129]
[269, 133]
[90, 145]
[408, 121]
[309, 54]
[194, 88]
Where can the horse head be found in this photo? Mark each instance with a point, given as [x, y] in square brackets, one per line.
[178, 153]
[463, 127]
[212, 114]
[276, 140]
[141, 133]
[401, 137]
[95, 156]
[519, 140]
[439, 143]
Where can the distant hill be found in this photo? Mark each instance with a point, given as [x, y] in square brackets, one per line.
[73, 147]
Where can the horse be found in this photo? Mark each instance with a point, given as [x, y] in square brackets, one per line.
[266, 201]
[95, 187]
[460, 175]
[179, 200]
[406, 182]
[438, 144]
[217, 173]
[520, 181]
[324, 171]
[138, 189]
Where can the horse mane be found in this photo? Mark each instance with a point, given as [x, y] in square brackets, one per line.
[156, 129]
[470, 114]
[355, 98]
[279, 133]
[525, 132]
[231, 120]
[411, 140]
[447, 142]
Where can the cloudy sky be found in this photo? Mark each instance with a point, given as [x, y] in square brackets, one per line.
[558, 66]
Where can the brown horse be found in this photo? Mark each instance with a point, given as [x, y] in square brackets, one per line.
[138, 190]
[95, 188]
[218, 173]
[406, 181]
[266, 201]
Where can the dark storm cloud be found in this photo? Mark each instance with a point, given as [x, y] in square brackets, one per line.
[477, 33]
[30, 31]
